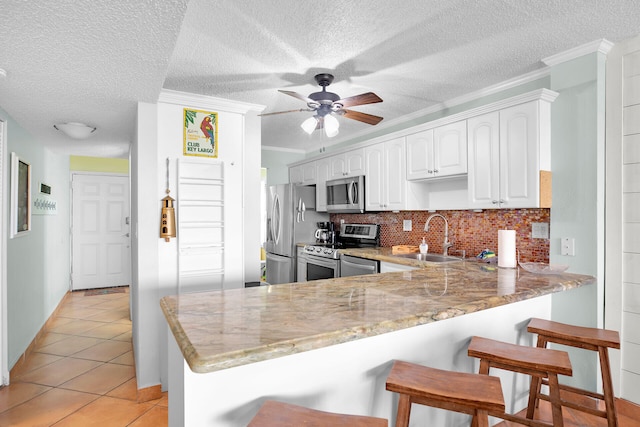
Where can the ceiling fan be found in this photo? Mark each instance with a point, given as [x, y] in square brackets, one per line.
[326, 104]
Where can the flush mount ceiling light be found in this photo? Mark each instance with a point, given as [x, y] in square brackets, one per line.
[75, 130]
[326, 104]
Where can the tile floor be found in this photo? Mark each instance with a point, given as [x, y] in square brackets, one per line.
[81, 372]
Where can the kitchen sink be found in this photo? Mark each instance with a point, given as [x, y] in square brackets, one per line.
[429, 257]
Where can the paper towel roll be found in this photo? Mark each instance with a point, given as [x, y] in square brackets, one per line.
[507, 248]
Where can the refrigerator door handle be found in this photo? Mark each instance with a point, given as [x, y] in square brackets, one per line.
[276, 219]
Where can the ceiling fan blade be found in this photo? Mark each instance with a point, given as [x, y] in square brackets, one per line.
[288, 111]
[297, 95]
[362, 99]
[362, 117]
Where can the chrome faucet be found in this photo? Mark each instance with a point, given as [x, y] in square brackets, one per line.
[447, 244]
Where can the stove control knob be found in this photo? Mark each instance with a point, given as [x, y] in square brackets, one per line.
[318, 249]
[328, 251]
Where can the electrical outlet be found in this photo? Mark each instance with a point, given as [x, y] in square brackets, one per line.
[539, 230]
[568, 246]
[406, 225]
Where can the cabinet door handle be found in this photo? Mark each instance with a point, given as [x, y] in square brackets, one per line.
[435, 171]
[495, 202]
[429, 170]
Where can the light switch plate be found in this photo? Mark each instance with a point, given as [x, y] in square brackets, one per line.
[568, 246]
[406, 225]
[539, 230]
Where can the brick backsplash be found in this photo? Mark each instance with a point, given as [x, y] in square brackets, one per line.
[469, 231]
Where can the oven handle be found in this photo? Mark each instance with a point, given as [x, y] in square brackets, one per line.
[323, 262]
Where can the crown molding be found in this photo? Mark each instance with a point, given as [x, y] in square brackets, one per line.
[601, 46]
[472, 96]
[545, 95]
[168, 96]
[282, 149]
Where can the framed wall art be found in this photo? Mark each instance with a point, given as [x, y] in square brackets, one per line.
[200, 135]
[20, 196]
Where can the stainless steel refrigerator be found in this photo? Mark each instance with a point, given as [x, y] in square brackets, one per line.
[291, 219]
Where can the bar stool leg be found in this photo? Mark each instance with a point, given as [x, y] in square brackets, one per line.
[534, 390]
[556, 403]
[481, 418]
[404, 411]
[612, 417]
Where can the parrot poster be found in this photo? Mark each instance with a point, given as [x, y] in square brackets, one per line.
[200, 133]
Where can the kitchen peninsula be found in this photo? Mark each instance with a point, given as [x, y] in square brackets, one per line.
[329, 344]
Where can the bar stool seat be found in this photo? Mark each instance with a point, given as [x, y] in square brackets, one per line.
[472, 394]
[279, 414]
[595, 339]
[533, 361]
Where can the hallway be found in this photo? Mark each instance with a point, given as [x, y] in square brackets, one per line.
[81, 370]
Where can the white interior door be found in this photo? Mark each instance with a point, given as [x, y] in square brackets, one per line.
[101, 255]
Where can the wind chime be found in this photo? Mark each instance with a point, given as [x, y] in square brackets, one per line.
[168, 215]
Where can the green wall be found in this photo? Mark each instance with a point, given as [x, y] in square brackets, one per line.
[276, 164]
[98, 164]
[38, 262]
[577, 162]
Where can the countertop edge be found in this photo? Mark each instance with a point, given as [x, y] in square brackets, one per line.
[201, 364]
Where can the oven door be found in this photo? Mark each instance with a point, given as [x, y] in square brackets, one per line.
[317, 268]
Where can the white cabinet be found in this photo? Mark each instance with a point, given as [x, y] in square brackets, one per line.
[385, 182]
[507, 151]
[304, 174]
[437, 153]
[390, 267]
[323, 169]
[347, 164]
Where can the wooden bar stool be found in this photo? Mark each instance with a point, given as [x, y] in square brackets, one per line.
[472, 394]
[279, 414]
[594, 339]
[533, 361]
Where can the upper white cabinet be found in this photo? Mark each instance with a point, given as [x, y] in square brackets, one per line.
[507, 151]
[385, 182]
[323, 168]
[347, 164]
[437, 153]
[304, 174]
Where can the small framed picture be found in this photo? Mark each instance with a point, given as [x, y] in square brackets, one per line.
[20, 196]
[200, 134]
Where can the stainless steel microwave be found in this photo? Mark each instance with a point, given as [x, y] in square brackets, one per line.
[345, 195]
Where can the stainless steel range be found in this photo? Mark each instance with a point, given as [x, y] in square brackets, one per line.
[322, 261]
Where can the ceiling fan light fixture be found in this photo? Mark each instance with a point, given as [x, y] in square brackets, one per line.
[331, 126]
[75, 130]
[309, 125]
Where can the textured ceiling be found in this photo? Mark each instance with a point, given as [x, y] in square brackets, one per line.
[75, 60]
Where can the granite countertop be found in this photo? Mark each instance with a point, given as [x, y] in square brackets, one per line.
[222, 329]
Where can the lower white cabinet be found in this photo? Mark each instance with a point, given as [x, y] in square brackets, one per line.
[385, 182]
[389, 267]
